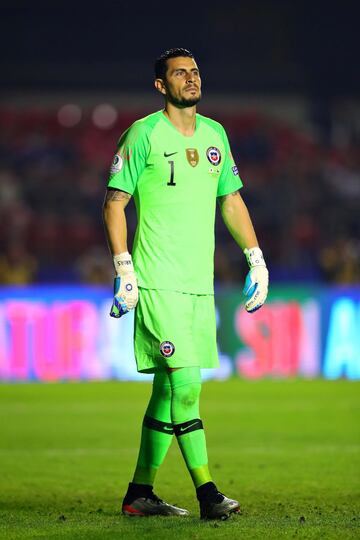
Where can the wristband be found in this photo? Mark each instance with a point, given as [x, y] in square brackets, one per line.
[254, 257]
[123, 263]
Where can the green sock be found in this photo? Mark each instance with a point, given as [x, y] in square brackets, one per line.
[188, 428]
[157, 431]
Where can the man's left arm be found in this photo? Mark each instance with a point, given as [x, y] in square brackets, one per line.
[237, 219]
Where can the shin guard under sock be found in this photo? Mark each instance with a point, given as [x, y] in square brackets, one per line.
[188, 428]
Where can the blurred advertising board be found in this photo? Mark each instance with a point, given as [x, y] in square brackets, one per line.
[300, 331]
[61, 333]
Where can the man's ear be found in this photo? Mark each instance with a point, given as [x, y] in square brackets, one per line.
[160, 86]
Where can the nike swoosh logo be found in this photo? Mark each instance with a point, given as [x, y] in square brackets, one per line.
[168, 155]
[188, 427]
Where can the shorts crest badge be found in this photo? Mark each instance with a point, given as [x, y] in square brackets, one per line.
[214, 155]
[167, 349]
[192, 156]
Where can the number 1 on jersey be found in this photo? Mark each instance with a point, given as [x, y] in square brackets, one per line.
[171, 183]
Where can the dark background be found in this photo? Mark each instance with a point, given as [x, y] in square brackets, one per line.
[254, 46]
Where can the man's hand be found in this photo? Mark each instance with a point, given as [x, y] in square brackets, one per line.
[125, 286]
[257, 280]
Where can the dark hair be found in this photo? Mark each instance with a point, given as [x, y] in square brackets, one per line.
[161, 61]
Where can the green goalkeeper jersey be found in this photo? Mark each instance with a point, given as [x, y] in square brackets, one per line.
[175, 181]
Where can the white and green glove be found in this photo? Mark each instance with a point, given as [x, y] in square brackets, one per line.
[125, 285]
[257, 280]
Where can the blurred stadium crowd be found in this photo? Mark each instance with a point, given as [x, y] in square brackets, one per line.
[303, 195]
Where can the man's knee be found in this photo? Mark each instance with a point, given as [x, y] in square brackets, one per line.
[186, 396]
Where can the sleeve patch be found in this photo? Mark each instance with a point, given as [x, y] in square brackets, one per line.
[235, 170]
[117, 164]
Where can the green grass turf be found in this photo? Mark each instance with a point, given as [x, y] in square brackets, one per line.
[288, 450]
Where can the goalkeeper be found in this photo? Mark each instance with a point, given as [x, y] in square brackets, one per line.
[177, 164]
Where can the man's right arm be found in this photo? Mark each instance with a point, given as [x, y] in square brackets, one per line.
[128, 164]
[115, 221]
[125, 283]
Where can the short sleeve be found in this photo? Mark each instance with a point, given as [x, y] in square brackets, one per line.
[229, 180]
[130, 159]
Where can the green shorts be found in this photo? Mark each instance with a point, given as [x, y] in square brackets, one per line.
[174, 329]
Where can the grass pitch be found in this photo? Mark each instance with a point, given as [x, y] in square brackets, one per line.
[288, 450]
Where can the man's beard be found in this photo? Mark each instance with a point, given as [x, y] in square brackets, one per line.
[183, 103]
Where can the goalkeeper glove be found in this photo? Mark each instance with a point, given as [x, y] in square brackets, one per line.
[125, 285]
[257, 280]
